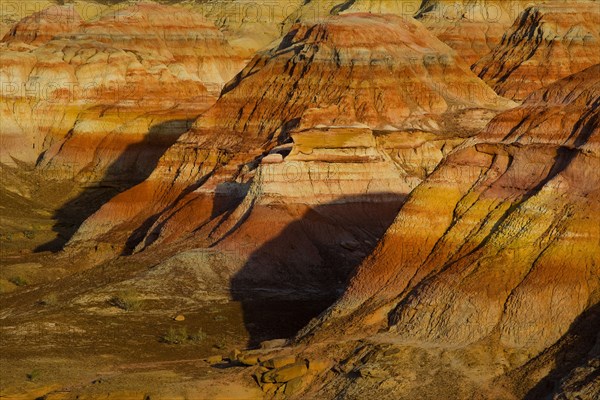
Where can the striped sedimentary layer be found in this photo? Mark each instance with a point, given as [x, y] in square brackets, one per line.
[386, 75]
[545, 43]
[500, 242]
[92, 99]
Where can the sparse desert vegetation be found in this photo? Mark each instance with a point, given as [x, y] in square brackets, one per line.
[180, 335]
[18, 281]
[128, 300]
[33, 375]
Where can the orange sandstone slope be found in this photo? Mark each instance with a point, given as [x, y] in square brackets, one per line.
[545, 43]
[89, 102]
[501, 243]
[359, 90]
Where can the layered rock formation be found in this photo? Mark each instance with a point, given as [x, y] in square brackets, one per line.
[101, 94]
[344, 92]
[472, 28]
[545, 43]
[499, 245]
[356, 146]
[475, 28]
[40, 27]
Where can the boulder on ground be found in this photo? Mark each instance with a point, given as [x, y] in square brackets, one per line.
[350, 245]
[248, 359]
[280, 390]
[257, 375]
[278, 362]
[269, 388]
[294, 386]
[286, 374]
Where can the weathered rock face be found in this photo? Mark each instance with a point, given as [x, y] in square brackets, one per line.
[545, 43]
[95, 99]
[343, 91]
[500, 242]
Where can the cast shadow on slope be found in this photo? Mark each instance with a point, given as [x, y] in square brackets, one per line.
[577, 347]
[134, 165]
[297, 275]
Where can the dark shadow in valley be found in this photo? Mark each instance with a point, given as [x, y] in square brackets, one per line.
[574, 350]
[297, 275]
[134, 165]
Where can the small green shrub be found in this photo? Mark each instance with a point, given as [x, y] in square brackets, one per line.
[181, 336]
[198, 336]
[18, 280]
[33, 375]
[128, 300]
[175, 336]
[220, 344]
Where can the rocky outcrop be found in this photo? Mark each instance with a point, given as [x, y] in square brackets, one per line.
[342, 91]
[498, 244]
[545, 43]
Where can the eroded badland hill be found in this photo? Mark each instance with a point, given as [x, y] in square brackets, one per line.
[300, 199]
